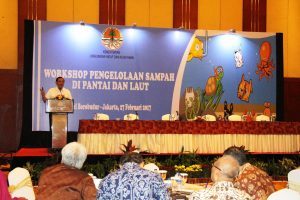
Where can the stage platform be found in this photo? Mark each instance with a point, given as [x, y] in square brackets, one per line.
[33, 152]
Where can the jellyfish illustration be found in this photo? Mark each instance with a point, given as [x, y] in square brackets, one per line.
[238, 57]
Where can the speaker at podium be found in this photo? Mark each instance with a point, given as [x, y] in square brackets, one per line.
[59, 110]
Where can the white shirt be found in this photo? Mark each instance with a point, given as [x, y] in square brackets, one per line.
[54, 92]
[222, 190]
[287, 194]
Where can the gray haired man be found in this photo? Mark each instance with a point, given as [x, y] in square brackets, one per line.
[66, 180]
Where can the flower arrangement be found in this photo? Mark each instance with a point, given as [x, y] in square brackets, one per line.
[194, 171]
[191, 168]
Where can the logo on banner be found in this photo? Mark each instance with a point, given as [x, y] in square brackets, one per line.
[112, 38]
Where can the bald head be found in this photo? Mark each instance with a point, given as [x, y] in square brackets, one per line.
[225, 168]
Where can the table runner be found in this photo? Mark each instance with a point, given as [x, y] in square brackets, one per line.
[106, 137]
[184, 127]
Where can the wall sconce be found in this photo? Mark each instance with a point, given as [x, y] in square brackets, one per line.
[81, 23]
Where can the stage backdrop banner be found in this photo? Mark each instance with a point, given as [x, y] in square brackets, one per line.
[118, 70]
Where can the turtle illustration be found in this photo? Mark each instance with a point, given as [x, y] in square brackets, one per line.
[213, 91]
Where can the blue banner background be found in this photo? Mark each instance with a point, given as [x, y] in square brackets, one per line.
[70, 46]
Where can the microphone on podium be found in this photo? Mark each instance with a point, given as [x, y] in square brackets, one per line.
[137, 114]
[177, 113]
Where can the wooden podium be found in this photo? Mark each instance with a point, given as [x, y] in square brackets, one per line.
[59, 110]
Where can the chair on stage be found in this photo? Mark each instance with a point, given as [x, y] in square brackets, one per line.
[263, 118]
[235, 118]
[101, 116]
[209, 118]
[131, 117]
[168, 117]
[151, 167]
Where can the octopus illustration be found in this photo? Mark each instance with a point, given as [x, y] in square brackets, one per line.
[265, 67]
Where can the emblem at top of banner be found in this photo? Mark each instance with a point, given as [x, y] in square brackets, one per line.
[112, 38]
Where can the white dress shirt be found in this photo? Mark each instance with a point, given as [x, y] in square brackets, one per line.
[287, 194]
[54, 92]
[221, 191]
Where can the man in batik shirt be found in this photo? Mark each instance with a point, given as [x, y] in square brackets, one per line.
[223, 171]
[251, 179]
[132, 182]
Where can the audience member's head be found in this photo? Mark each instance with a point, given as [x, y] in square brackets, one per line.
[131, 157]
[238, 153]
[74, 155]
[251, 179]
[294, 180]
[226, 168]
[20, 184]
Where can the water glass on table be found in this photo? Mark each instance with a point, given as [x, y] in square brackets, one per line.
[176, 183]
[163, 174]
[184, 177]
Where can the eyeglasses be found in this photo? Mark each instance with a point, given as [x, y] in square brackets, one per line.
[218, 168]
[213, 165]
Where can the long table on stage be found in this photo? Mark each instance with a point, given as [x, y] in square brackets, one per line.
[106, 137]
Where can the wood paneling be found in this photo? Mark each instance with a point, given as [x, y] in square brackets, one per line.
[284, 16]
[11, 81]
[138, 12]
[8, 34]
[291, 99]
[231, 17]
[185, 14]
[254, 15]
[161, 16]
[220, 14]
[9, 135]
[112, 12]
[86, 10]
[32, 10]
[62, 11]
